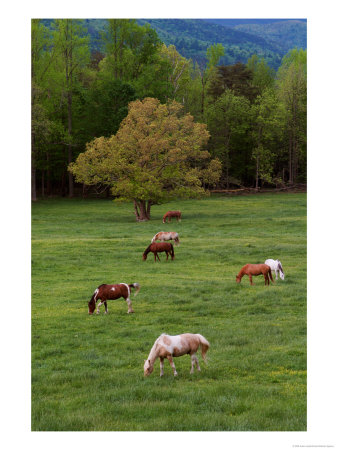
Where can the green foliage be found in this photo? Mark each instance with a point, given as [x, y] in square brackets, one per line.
[237, 78]
[87, 371]
[267, 119]
[77, 97]
[292, 92]
[228, 119]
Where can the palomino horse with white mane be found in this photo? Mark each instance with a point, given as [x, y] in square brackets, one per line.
[112, 292]
[166, 236]
[254, 270]
[276, 265]
[168, 347]
[171, 214]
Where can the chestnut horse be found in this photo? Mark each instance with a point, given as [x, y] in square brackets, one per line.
[158, 247]
[255, 269]
[112, 292]
[166, 236]
[171, 346]
[171, 214]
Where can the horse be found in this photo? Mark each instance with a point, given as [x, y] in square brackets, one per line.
[112, 292]
[157, 247]
[255, 269]
[171, 214]
[276, 266]
[168, 347]
[166, 236]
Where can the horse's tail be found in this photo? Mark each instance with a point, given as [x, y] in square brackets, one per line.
[136, 286]
[172, 251]
[270, 274]
[204, 346]
[177, 241]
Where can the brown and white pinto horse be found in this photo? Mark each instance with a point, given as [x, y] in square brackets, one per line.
[254, 270]
[166, 236]
[171, 214]
[112, 292]
[171, 346]
[158, 247]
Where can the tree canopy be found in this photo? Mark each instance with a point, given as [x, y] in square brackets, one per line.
[156, 155]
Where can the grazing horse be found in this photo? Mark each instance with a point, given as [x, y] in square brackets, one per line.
[171, 346]
[112, 292]
[171, 214]
[166, 236]
[255, 269]
[276, 266]
[157, 247]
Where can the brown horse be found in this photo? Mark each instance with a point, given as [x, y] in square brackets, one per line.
[157, 247]
[171, 214]
[254, 270]
[112, 292]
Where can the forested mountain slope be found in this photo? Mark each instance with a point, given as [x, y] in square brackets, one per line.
[241, 38]
[192, 37]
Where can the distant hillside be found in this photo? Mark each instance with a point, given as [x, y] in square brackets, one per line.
[286, 34]
[192, 37]
[241, 38]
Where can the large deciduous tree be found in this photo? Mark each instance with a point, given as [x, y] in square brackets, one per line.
[155, 156]
[72, 47]
[291, 89]
[228, 119]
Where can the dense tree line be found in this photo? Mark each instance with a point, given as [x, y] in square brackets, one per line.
[256, 118]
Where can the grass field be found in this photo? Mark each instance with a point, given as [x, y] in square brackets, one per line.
[87, 371]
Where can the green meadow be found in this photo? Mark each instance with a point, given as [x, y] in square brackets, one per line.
[87, 371]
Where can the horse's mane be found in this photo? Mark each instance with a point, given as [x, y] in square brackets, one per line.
[147, 250]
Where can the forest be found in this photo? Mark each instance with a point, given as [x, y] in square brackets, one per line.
[252, 116]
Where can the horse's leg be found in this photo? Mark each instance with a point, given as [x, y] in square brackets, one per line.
[167, 255]
[98, 307]
[266, 279]
[250, 278]
[130, 306]
[161, 367]
[171, 362]
[194, 361]
[105, 307]
[276, 273]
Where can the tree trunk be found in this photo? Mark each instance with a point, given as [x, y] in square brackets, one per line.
[48, 181]
[142, 210]
[69, 75]
[33, 172]
[257, 171]
[43, 183]
[148, 208]
[70, 151]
